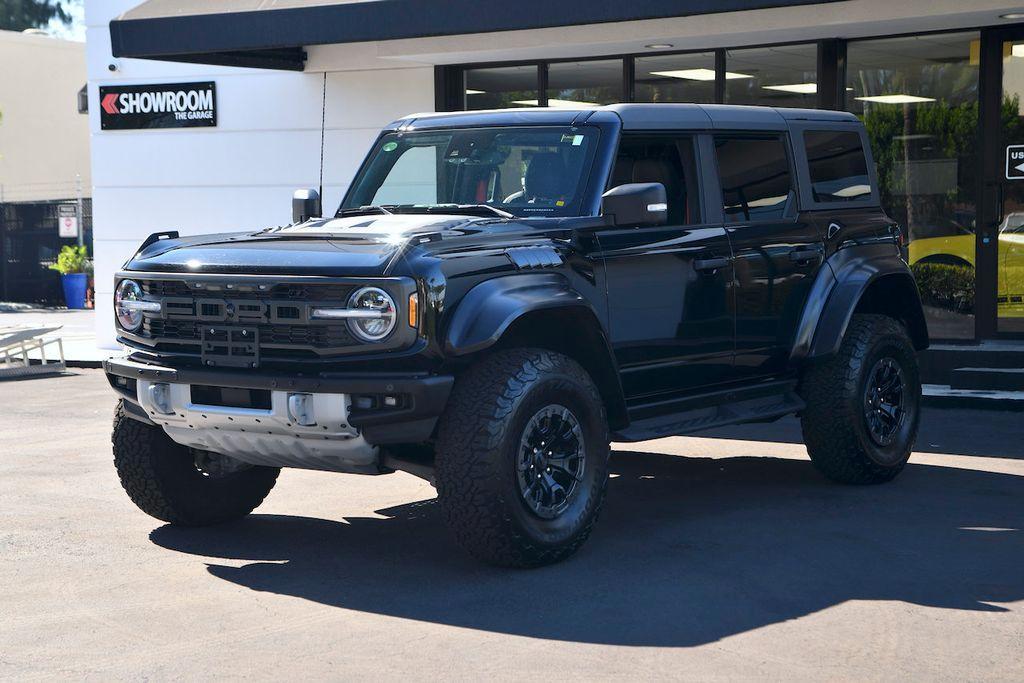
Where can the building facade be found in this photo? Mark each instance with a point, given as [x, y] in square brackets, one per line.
[44, 161]
[301, 90]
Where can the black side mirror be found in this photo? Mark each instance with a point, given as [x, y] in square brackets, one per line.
[636, 204]
[305, 205]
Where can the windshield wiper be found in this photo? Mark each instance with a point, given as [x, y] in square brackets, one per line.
[365, 210]
[471, 209]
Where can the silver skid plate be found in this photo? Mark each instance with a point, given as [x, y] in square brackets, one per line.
[266, 437]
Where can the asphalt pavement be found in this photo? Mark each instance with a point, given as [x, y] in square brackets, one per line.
[723, 556]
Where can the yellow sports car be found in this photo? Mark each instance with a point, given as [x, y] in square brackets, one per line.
[947, 243]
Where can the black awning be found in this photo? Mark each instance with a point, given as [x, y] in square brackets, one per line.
[272, 33]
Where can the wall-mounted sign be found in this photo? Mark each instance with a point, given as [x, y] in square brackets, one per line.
[67, 220]
[1015, 162]
[166, 105]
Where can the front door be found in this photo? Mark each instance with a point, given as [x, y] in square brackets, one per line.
[670, 321]
[1001, 237]
[776, 254]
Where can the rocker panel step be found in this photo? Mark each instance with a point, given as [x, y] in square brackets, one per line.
[760, 409]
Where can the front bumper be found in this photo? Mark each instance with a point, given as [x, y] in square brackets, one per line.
[344, 437]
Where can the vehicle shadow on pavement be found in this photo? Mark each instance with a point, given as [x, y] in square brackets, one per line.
[981, 433]
[689, 550]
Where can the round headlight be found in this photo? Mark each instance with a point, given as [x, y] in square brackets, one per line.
[381, 314]
[129, 318]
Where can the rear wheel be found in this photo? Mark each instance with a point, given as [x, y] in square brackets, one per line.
[863, 405]
[522, 458]
[181, 485]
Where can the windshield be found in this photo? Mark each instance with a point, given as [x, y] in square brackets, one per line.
[524, 171]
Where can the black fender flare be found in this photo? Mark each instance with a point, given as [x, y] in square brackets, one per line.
[838, 290]
[489, 308]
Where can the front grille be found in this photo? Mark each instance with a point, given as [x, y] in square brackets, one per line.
[279, 311]
[320, 336]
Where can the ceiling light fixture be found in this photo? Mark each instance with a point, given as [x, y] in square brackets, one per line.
[895, 99]
[698, 74]
[565, 104]
[659, 46]
[801, 88]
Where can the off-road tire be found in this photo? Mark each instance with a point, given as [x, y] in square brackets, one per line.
[834, 425]
[478, 446]
[161, 478]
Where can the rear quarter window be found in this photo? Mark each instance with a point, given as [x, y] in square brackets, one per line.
[837, 166]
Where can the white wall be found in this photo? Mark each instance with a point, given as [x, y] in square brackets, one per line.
[240, 174]
[44, 141]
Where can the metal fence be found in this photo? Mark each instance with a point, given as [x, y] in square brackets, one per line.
[29, 244]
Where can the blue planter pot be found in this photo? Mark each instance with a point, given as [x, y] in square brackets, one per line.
[74, 289]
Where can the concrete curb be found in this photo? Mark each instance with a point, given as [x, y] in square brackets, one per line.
[942, 396]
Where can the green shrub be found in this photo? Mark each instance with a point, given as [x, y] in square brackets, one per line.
[946, 286]
[72, 260]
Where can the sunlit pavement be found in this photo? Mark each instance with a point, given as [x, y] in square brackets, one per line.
[77, 329]
[719, 557]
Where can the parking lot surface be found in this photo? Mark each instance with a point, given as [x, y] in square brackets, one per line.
[719, 557]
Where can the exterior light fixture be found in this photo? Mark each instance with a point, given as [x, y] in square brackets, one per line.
[659, 46]
[470, 91]
[1012, 15]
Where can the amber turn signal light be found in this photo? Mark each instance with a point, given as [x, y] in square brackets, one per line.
[414, 310]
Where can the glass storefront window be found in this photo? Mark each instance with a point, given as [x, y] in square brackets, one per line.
[676, 78]
[501, 87]
[918, 98]
[571, 84]
[781, 76]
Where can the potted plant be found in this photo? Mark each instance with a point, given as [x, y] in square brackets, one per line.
[73, 265]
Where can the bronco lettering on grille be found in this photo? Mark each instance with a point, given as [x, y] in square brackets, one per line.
[242, 311]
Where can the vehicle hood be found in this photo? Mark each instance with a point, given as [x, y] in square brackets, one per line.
[355, 245]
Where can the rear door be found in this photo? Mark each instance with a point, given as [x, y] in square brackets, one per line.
[671, 324]
[776, 251]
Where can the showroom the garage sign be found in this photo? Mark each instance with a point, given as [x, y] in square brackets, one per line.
[165, 105]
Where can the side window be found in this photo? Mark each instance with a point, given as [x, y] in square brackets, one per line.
[412, 179]
[839, 171]
[666, 160]
[755, 177]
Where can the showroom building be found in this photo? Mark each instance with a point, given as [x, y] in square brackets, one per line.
[298, 88]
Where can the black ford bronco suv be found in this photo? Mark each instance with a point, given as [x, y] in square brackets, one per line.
[500, 294]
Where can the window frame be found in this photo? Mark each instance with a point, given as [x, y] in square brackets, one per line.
[700, 181]
[790, 213]
[798, 129]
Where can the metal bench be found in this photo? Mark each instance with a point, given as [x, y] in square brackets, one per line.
[17, 342]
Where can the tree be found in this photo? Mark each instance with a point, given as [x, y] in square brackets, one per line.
[18, 15]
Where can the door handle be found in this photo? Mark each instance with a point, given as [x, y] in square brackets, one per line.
[711, 265]
[804, 255]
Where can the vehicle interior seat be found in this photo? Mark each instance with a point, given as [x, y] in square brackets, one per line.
[544, 180]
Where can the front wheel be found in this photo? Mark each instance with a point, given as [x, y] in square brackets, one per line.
[522, 458]
[863, 404]
[180, 485]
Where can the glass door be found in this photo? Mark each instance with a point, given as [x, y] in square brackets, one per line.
[1007, 233]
